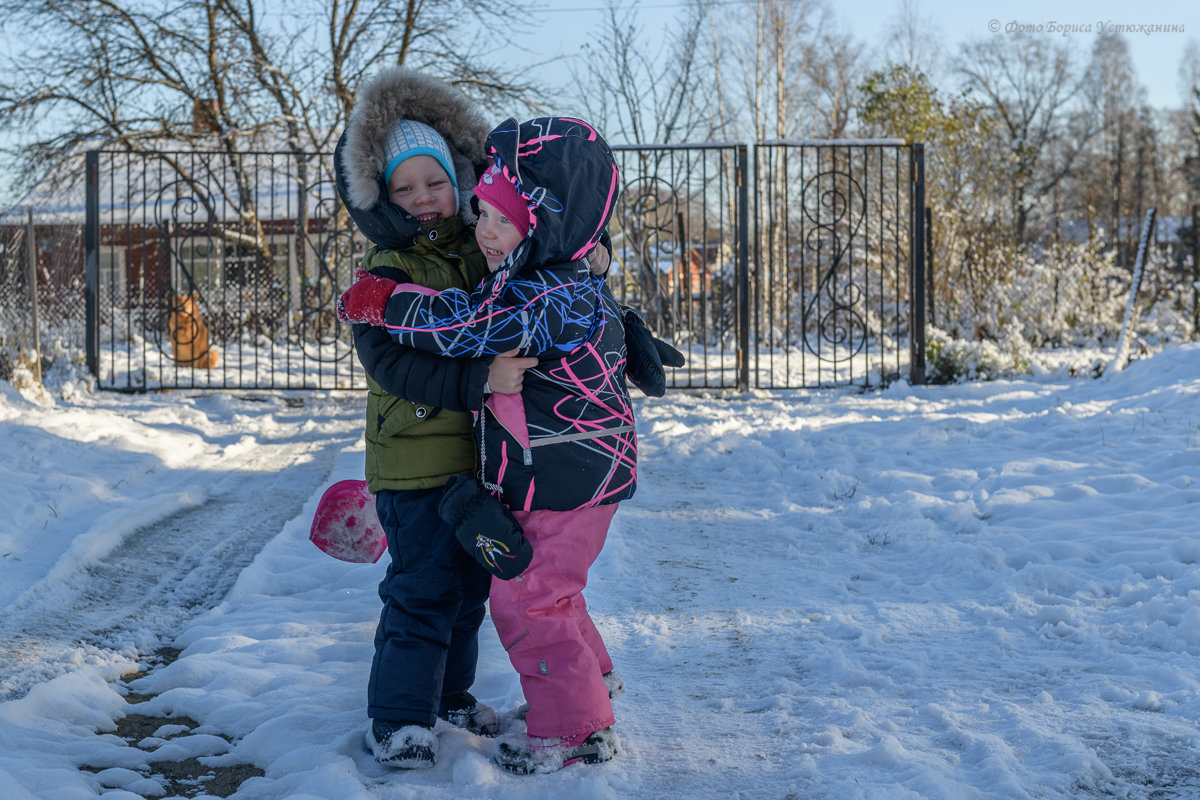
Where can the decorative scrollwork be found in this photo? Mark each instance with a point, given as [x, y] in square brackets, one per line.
[181, 206]
[236, 268]
[835, 205]
[335, 249]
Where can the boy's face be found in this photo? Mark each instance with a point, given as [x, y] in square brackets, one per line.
[497, 237]
[421, 187]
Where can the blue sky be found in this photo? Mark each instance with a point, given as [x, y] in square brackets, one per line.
[1157, 56]
[569, 24]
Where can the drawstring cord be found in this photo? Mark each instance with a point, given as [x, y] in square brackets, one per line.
[483, 481]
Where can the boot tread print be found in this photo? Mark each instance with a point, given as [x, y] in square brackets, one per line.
[527, 755]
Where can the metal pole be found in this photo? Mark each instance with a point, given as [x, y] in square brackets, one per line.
[916, 244]
[743, 355]
[91, 270]
[931, 296]
[1143, 253]
[31, 251]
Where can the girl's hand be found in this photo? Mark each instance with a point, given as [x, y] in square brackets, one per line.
[599, 260]
[506, 374]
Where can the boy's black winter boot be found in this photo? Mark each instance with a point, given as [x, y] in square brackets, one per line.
[401, 745]
[462, 710]
[485, 528]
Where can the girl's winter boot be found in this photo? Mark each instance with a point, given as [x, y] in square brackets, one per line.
[612, 681]
[527, 755]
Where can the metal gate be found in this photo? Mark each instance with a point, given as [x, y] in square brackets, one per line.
[839, 263]
[218, 270]
[822, 286]
[680, 242]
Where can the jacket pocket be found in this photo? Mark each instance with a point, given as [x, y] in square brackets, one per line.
[394, 415]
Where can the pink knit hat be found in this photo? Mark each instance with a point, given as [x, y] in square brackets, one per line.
[495, 188]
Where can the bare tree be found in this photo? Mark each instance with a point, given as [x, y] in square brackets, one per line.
[639, 93]
[128, 73]
[1113, 99]
[1029, 85]
[1189, 84]
[793, 70]
[786, 72]
[914, 41]
[650, 95]
[200, 85]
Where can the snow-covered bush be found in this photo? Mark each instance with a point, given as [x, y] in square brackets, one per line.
[1041, 302]
[1058, 295]
[950, 360]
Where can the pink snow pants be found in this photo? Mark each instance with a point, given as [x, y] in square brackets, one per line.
[544, 625]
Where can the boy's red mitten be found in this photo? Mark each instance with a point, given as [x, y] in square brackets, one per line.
[366, 299]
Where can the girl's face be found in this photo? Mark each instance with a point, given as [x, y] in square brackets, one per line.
[497, 236]
[421, 187]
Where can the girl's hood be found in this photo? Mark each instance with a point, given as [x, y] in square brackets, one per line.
[566, 172]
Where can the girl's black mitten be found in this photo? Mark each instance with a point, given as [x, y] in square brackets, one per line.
[485, 528]
[645, 355]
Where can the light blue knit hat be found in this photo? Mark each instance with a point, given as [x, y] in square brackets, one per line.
[410, 138]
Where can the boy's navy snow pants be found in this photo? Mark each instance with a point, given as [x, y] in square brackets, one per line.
[427, 644]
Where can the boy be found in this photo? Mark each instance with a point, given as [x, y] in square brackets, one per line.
[399, 178]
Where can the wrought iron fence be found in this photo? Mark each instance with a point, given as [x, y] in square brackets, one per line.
[681, 251]
[41, 286]
[838, 287]
[210, 269]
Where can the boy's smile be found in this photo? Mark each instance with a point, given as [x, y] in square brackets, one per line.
[421, 187]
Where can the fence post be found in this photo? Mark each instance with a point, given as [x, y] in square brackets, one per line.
[916, 260]
[91, 269]
[1195, 272]
[31, 254]
[1143, 254]
[743, 355]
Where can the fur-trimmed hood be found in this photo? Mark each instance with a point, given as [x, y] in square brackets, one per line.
[386, 98]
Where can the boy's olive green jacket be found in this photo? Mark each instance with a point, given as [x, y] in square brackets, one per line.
[418, 428]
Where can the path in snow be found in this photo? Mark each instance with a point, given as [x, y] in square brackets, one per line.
[128, 603]
[920, 594]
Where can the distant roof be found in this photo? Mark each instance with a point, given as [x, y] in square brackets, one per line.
[1166, 229]
[180, 184]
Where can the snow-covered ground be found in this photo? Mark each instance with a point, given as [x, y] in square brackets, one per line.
[985, 590]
